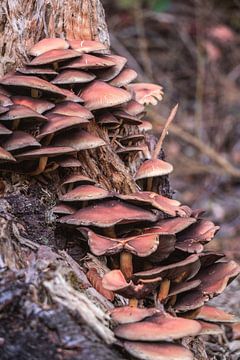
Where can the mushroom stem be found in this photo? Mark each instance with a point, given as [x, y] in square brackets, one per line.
[133, 302]
[55, 66]
[41, 166]
[126, 265]
[149, 184]
[15, 124]
[164, 290]
[172, 300]
[34, 93]
[110, 232]
[193, 313]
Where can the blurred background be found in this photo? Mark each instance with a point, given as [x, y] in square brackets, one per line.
[191, 48]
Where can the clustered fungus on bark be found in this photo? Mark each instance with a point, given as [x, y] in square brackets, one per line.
[154, 246]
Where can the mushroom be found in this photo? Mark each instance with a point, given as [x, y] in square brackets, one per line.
[213, 314]
[210, 329]
[5, 100]
[72, 109]
[38, 105]
[20, 140]
[100, 95]
[216, 277]
[140, 245]
[133, 108]
[43, 154]
[115, 281]
[20, 113]
[79, 140]
[5, 156]
[158, 328]
[87, 61]
[145, 126]
[48, 44]
[4, 130]
[129, 314]
[152, 168]
[16, 82]
[85, 193]
[87, 46]
[157, 351]
[125, 77]
[146, 93]
[113, 71]
[44, 72]
[77, 179]
[106, 215]
[58, 123]
[63, 209]
[54, 56]
[164, 204]
[71, 77]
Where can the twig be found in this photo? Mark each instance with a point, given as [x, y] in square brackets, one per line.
[200, 145]
[164, 132]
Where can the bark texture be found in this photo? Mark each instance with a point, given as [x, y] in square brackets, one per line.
[24, 22]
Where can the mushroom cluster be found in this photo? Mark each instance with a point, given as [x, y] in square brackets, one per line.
[154, 245]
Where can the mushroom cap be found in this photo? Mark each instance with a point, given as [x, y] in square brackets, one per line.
[152, 168]
[189, 246]
[140, 245]
[174, 225]
[168, 206]
[165, 247]
[115, 281]
[157, 351]
[191, 300]
[216, 277]
[22, 112]
[31, 82]
[28, 70]
[145, 126]
[56, 55]
[67, 77]
[128, 119]
[202, 231]
[124, 78]
[87, 61]
[79, 140]
[20, 140]
[162, 329]
[100, 95]
[71, 96]
[85, 193]
[129, 314]
[87, 46]
[72, 109]
[63, 209]
[130, 149]
[67, 161]
[4, 130]
[78, 179]
[146, 93]
[179, 271]
[113, 71]
[107, 118]
[181, 287]
[208, 258]
[48, 44]
[108, 213]
[210, 329]
[6, 156]
[49, 151]
[133, 108]
[213, 314]
[57, 123]
[132, 138]
[38, 105]
[3, 109]
[5, 100]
